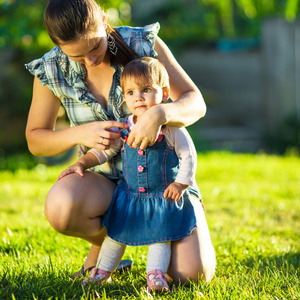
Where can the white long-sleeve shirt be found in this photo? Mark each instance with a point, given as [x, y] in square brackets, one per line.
[177, 138]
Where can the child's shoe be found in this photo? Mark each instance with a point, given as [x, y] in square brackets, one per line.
[97, 276]
[156, 281]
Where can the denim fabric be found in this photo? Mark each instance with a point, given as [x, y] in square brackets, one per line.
[138, 214]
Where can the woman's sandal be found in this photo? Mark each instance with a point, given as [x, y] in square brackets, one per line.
[156, 281]
[82, 271]
[97, 276]
[124, 265]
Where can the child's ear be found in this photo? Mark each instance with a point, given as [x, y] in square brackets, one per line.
[166, 93]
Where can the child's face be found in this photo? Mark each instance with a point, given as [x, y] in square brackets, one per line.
[140, 98]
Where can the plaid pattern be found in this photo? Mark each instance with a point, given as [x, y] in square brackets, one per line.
[66, 79]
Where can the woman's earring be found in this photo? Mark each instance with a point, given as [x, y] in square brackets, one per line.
[111, 44]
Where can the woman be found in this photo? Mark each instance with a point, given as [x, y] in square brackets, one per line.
[83, 74]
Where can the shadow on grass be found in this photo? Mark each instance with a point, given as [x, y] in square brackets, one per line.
[51, 284]
[44, 283]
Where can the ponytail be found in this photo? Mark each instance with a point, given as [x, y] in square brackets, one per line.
[124, 54]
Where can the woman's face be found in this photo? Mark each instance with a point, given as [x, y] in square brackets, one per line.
[89, 50]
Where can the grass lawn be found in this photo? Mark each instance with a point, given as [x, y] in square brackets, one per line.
[252, 208]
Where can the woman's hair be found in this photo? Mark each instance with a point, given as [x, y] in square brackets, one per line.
[145, 71]
[68, 20]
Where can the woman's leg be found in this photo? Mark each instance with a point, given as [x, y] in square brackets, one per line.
[74, 207]
[194, 256]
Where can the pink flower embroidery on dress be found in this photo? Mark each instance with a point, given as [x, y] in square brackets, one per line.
[140, 152]
[140, 168]
[142, 190]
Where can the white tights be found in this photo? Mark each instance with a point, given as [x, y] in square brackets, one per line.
[111, 252]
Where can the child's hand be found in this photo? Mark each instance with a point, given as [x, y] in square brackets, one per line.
[174, 191]
[76, 168]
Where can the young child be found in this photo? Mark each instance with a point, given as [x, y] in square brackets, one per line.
[151, 204]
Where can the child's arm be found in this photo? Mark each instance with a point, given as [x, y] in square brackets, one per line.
[92, 158]
[184, 147]
[105, 155]
[85, 162]
[174, 190]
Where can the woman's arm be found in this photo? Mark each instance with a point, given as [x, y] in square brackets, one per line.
[42, 138]
[187, 107]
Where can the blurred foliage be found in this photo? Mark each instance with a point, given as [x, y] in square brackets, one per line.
[17, 161]
[22, 22]
[204, 22]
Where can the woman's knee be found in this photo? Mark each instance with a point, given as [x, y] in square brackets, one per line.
[60, 207]
[201, 271]
[205, 267]
[74, 204]
[193, 258]
[207, 270]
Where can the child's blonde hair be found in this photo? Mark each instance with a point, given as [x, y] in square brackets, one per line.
[145, 71]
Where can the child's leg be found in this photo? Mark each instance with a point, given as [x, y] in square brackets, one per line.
[109, 257]
[158, 261]
[159, 256]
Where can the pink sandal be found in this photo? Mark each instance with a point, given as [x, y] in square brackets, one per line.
[97, 276]
[156, 281]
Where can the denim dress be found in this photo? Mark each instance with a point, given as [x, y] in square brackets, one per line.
[139, 214]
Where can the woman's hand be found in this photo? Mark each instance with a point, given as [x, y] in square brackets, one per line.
[44, 140]
[99, 135]
[146, 130]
